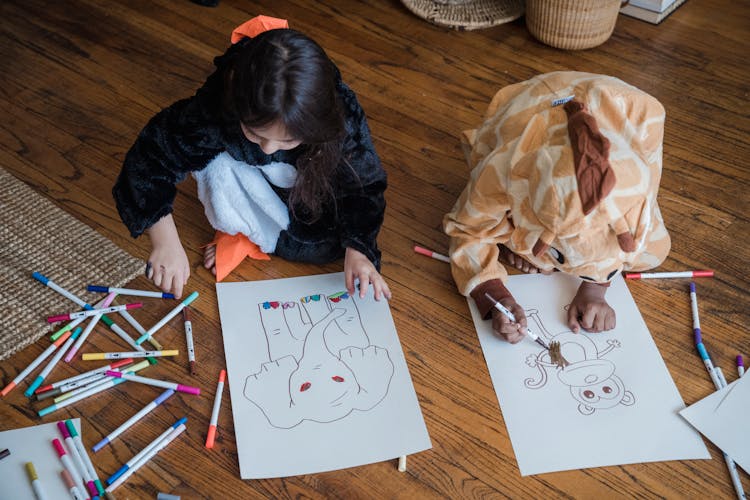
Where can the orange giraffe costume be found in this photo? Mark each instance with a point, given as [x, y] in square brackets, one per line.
[567, 184]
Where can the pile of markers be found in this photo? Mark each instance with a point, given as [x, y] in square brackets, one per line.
[79, 473]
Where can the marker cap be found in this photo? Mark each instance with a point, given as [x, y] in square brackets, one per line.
[189, 390]
[58, 447]
[71, 428]
[40, 277]
[211, 436]
[31, 471]
[63, 429]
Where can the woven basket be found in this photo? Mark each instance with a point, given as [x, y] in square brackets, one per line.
[572, 24]
[466, 14]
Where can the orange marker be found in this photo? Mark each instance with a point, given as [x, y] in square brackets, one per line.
[215, 413]
[44, 355]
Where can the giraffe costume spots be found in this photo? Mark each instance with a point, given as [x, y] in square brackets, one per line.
[570, 187]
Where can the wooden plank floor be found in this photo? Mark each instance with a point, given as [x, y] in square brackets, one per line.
[80, 78]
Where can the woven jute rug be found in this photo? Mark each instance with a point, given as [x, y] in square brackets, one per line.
[38, 236]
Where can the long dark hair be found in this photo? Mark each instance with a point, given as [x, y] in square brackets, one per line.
[283, 76]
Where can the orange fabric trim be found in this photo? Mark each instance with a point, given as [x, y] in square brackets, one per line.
[256, 26]
[231, 250]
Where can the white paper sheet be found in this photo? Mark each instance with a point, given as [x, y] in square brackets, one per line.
[318, 381]
[32, 444]
[615, 404]
[723, 418]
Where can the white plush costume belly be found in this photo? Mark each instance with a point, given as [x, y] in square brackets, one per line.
[238, 198]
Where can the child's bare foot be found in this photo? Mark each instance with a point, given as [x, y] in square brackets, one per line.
[518, 262]
[209, 258]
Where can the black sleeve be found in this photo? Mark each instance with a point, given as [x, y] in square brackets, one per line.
[181, 138]
[363, 183]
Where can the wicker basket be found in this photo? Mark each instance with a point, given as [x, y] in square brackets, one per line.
[466, 14]
[572, 24]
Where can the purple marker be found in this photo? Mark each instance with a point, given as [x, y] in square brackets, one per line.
[699, 342]
[694, 308]
[132, 420]
[740, 365]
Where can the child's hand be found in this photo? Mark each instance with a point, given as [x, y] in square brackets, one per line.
[504, 327]
[589, 310]
[357, 265]
[168, 265]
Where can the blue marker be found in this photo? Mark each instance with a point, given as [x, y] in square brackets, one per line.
[174, 312]
[128, 291]
[122, 470]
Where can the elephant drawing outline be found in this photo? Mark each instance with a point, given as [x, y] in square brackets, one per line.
[320, 364]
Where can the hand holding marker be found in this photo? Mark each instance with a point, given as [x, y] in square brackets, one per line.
[511, 317]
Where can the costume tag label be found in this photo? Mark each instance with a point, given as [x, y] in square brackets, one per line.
[562, 100]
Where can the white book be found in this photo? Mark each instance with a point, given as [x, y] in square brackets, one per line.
[649, 15]
[652, 5]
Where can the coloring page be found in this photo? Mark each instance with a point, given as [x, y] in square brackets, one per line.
[722, 418]
[317, 377]
[611, 402]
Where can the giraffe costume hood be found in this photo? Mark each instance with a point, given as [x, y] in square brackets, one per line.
[566, 169]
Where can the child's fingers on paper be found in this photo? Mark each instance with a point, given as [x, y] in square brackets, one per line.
[573, 323]
[590, 320]
[349, 281]
[610, 321]
[364, 282]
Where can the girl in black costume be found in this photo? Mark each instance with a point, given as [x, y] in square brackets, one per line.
[281, 152]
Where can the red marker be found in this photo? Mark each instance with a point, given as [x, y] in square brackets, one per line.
[215, 413]
[679, 274]
[432, 254]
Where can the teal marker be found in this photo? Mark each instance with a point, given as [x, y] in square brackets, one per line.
[47, 369]
[174, 312]
[85, 456]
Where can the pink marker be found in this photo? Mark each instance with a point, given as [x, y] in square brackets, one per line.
[93, 312]
[75, 493]
[77, 459]
[82, 338]
[432, 254]
[67, 462]
[155, 382]
[680, 274]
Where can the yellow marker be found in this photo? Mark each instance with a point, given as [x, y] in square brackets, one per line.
[35, 483]
[89, 356]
